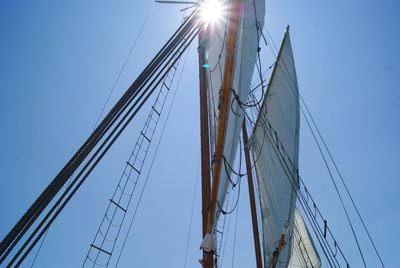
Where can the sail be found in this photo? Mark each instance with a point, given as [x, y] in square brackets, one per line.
[304, 253]
[275, 147]
[246, 51]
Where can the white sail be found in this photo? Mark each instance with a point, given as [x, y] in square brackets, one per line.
[246, 51]
[304, 253]
[275, 143]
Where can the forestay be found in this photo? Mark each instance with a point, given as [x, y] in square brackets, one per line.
[245, 57]
[304, 253]
[275, 146]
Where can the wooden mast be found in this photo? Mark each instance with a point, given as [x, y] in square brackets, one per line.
[204, 144]
[256, 234]
[224, 111]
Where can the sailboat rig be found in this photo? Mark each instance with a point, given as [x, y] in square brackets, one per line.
[260, 121]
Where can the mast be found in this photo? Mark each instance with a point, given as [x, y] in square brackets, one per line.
[208, 243]
[204, 144]
[256, 234]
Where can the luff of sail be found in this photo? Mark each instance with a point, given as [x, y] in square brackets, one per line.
[275, 143]
[304, 253]
[245, 57]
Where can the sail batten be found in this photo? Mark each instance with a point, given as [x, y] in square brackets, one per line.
[275, 143]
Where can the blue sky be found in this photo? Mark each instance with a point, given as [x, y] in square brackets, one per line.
[60, 59]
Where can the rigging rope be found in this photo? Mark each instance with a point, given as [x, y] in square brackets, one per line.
[95, 163]
[189, 28]
[282, 154]
[329, 170]
[337, 191]
[294, 187]
[234, 237]
[153, 160]
[222, 250]
[316, 231]
[124, 64]
[192, 212]
[344, 184]
[106, 102]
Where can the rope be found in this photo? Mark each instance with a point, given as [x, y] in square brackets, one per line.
[344, 183]
[337, 191]
[106, 102]
[234, 238]
[39, 249]
[152, 162]
[46, 197]
[239, 174]
[304, 205]
[226, 236]
[331, 175]
[191, 213]
[124, 64]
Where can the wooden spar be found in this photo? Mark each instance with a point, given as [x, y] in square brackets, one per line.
[205, 145]
[256, 234]
[224, 111]
[277, 251]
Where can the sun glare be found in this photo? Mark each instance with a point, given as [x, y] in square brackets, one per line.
[211, 11]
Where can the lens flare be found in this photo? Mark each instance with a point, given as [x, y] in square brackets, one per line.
[211, 11]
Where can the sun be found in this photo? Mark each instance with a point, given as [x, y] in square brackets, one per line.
[211, 11]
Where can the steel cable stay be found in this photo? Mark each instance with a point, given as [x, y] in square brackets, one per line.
[187, 29]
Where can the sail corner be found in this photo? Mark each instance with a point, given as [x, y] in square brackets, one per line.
[208, 243]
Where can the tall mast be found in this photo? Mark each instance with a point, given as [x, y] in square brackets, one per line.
[208, 243]
[256, 234]
[204, 144]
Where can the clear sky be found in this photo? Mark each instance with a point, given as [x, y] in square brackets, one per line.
[60, 59]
